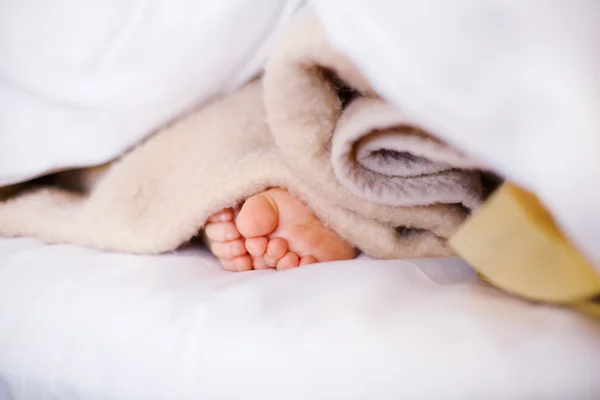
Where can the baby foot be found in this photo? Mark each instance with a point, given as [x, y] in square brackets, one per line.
[273, 229]
[226, 242]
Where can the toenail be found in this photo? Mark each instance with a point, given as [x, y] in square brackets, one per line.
[230, 236]
[224, 216]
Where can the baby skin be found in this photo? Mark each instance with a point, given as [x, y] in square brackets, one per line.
[273, 229]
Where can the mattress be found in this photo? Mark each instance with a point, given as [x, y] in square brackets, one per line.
[78, 324]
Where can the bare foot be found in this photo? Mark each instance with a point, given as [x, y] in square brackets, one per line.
[273, 229]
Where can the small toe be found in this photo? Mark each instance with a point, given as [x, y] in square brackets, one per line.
[258, 216]
[259, 263]
[221, 231]
[276, 248]
[228, 250]
[223, 216]
[257, 246]
[290, 260]
[238, 264]
[307, 260]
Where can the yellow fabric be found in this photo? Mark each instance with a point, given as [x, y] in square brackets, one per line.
[514, 243]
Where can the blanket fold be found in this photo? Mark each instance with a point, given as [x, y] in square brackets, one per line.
[310, 124]
[379, 156]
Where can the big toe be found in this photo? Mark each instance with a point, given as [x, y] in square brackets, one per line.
[258, 216]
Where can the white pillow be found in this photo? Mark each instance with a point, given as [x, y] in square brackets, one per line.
[83, 81]
[79, 324]
[515, 83]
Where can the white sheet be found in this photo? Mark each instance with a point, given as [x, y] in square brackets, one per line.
[81, 324]
[515, 83]
[81, 82]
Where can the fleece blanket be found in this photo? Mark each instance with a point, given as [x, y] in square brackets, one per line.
[310, 124]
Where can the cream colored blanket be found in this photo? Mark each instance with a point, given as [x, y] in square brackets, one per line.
[312, 125]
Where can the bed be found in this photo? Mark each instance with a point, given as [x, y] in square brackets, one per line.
[82, 324]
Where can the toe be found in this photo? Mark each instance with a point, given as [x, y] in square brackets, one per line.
[238, 264]
[307, 260]
[276, 248]
[228, 250]
[223, 216]
[259, 263]
[290, 260]
[256, 246]
[258, 216]
[221, 231]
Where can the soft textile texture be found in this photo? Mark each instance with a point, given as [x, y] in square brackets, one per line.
[381, 157]
[277, 131]
[514, 83]
[79, 324]
[82, 82]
